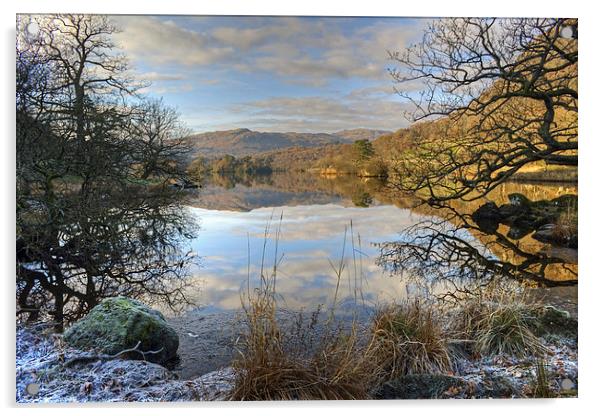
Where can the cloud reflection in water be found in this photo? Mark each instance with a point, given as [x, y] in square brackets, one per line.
[310, 235]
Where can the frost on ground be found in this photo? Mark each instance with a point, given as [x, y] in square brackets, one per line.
[42, 362]
[500, 376]
[506, 376]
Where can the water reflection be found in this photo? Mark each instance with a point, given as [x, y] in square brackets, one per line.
[317, 213]
[310, 238]
[452, 248]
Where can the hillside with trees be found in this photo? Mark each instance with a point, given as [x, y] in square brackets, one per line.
[499, 103]
[245, 142]
[501, 96]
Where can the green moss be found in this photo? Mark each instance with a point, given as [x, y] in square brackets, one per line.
[120, 323]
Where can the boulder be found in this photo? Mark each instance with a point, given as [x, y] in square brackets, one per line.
[523, 214]
[526, 215]
[487, 211]
[556, 234]
[545, 233]
[119, 323]
[442, 386]
[511, 212]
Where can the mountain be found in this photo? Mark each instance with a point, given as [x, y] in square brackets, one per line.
[244, 142]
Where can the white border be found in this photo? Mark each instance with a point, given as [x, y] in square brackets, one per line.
[589, 180]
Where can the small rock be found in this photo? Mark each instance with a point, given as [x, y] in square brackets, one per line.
[554, 321]
[567, 384]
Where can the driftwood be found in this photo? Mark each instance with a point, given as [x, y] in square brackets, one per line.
[106, 357]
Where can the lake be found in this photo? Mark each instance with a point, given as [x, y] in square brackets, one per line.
[321, 223]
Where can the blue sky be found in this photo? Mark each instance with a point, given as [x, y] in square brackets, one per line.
[305, 74]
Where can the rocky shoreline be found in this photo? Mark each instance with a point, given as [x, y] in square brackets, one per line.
[537, 217]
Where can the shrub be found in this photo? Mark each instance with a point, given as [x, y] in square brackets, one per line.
[373, 167]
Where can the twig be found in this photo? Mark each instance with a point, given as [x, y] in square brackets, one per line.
[106, 357]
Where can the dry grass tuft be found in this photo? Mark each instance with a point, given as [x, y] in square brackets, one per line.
[566, 225]
[409, 339]
[266, 370]
[335, 365]
[499, 321]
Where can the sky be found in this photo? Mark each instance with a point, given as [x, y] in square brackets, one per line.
[304, 74]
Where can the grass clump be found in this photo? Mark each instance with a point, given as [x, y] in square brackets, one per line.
[566, 230]
[409, 339]
[499, 321]
[276, 364]
[266, 369]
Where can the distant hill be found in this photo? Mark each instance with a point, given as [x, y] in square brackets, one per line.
[244, 142]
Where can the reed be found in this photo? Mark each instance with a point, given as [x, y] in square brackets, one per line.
[541, 383]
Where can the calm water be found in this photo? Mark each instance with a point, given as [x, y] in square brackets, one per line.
[320, 223]
[310, 238]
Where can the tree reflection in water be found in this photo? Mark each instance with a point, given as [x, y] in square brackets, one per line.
[449, 247]
[457, 254]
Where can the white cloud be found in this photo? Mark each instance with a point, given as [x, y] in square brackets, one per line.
[310, 236]
[165, 42]
[308, 51]
[156, 76]
[311, 114]
[187, 52]
[302, 50]
[167, 89]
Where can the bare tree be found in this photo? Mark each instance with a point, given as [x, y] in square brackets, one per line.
[86, 227]
[501, 94]
[161, 136]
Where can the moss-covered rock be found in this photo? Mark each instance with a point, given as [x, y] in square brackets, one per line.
[119, 323]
